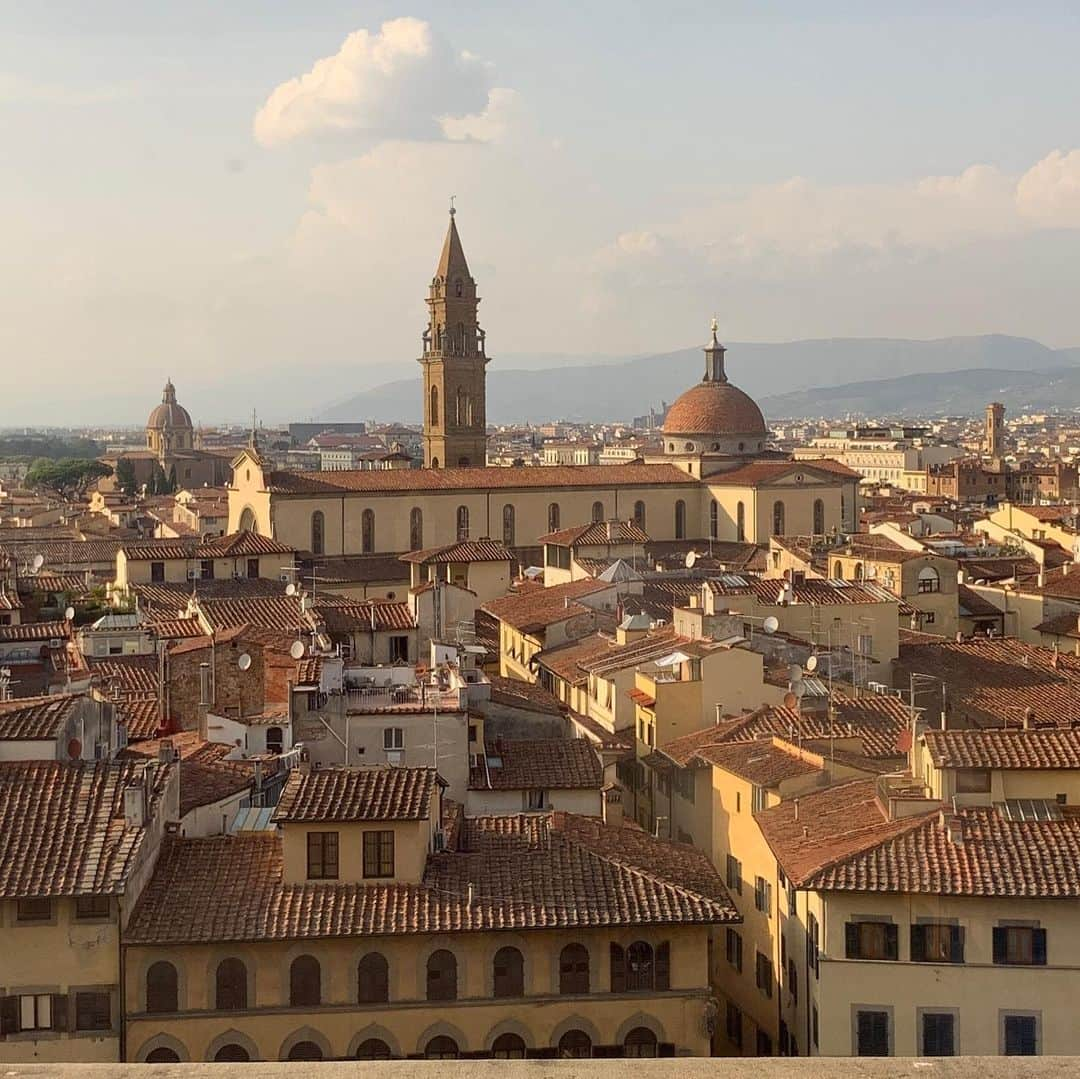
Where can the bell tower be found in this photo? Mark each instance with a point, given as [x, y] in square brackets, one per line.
[454, 363]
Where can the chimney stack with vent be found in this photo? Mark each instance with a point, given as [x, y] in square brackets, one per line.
[613, 807]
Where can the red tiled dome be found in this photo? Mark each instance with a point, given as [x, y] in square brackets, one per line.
[715, 408]
[168, 413]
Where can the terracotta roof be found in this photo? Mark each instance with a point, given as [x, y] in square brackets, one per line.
[357, 794]
[975, 605]
[55, 582]
[761, 761]
[174, 598]
[537, 608]
[129, 674]
[811, 591]
[36, 631]
[762, 472]
[480, 550]
[235, 545]
[308, 671]
[9, 601]
[140, 715]
[356, 569]
[376, 481]
[62, 829]
[715, 408]
[36, 719]
[597, 534]
[538, 871]
[513, 693]
[363, 614]
[175, 629]
[548, 764]
[1005, 748]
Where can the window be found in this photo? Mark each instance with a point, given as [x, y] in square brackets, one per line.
[640, 1042]
[393, 738]
[508, 1047]
[433, 411]
[763, 895]
[733, 1025]
[763, 974]
[758, 799]
[318, 532]
[33, 910]
[714, 520]
[163, 1055]
[1020, 945]
[275, 740]
[1020, 1036]
[639, 514]
[792, 900]
[819, 517]
[322, 855]
[93, 1011]
[36, 1011]
[778, 518]
[305, 1051]
[597, 512]
[399, 649]
[937, 942]
[463, 522]
[639, 966]
[157, 572]
[553, 517]
[684, 781]
[574, 969]
[92, 906]
[764, 1044]
[734, 874]
[872, 1034]
[373, 979]
[508, 971]
[740, 522]
[973, 781]
[253, 568]
[536, 800]
[161, 991]
[871, 940]
[575, 1045]
[938, 1034]
[929, 581]
[367, 531]
[416, 528]
[680, 519]
[230, 986]
[442, 975]
[733, 949]
[373, 1049]
[442, 1048]
[379, 853]
[508, 525]
[305, 982]
[793, 981]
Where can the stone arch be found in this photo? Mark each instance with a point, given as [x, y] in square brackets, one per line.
[510, 1026]
[575, 1022]
[212, 964]
[373, 1030]
[310, 1034]
[162, 1041]
[446, 1030]
[232, 1037]
[181, 978]
[248, 520]
[640, 1019]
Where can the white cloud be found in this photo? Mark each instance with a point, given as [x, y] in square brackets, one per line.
[402, 81]
[1049, 192]
[486, 126]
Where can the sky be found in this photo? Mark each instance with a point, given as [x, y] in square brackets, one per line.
[250, 197]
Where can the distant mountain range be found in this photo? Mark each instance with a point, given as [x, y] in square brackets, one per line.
[868, 376]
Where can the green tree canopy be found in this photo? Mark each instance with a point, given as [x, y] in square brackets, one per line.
[67, 477]
[125, 476]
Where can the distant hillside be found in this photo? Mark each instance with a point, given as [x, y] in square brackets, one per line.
[619, 390]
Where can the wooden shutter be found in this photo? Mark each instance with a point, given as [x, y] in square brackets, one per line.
[663, 966]
[618, 969]
[1038, 947]
[851, 940]
[59, 1012]
[1000, 944]
[918, 943]
[9, 1015]
[892, 941]
[956, 944]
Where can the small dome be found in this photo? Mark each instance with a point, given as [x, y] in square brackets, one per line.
[169, 413]
[715, 408]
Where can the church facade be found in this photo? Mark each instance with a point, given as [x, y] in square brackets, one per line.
[713, 479]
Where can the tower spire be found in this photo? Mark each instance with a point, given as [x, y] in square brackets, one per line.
[714, 358]
[452, 264]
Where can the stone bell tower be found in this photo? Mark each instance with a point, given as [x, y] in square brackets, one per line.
[454, 362]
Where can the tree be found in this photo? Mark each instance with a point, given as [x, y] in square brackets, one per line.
[125, 476]
[158, 483]
[67, 478]
[170, 488]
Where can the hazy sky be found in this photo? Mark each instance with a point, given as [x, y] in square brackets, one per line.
[250, 196]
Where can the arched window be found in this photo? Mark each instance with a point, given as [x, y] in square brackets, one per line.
[508, 525]
[442, 1048]
[574, 969]
[639, 966]
[508, 1047]
[680, 519]
[305, 982]
[367, 531]
[459, 408]
[318, 532]
[434, 406]
[858, 571]
[640, 1042]
[442, 975]
[509, 971]
[639, 514]
[416, 528]
[275, 739]
[838, 570]
[778, 518]
[230, 986]
[740, 522]
[161, 990]
[714, 520]
[929, 580]
[373, 1049]
[819, 517]
[434, 462]
[162, 1055]
[247, 520]
[575, 1045]
[553, 516]
[463, 522]
[232, 1053]
[597, 512]
[305, 1051]
[373, 979]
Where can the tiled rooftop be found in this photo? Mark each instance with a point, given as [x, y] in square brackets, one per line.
[36, 718]
[537, 608]
[549, 764]
[357, 794]
[1012, 748]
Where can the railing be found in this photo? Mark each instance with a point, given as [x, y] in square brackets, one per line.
[421, 696]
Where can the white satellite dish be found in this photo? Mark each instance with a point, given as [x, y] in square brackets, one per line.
[811, 664]
[38, 562]
[244, 661]
[290, 589]
[691, 558]
[771, 624]
[69, 614]
[297, 650]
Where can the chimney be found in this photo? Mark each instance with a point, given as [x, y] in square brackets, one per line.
[1042, 576]
[165, 751]
[611, 531]
[134, 806]
[795, 803]
[613, 807]
[1029, 718]
[954, 826]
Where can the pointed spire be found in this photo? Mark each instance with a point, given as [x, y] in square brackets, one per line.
[253, 438]
[714, 358]
[452, 262]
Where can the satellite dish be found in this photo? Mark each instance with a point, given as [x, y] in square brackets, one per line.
[74, 749]
[38, 562]
[771, 624]
[297, 650]
[290, 589]
[790, 700]
[244, 661]
[811, 664]
[69, 614]
[691, 558]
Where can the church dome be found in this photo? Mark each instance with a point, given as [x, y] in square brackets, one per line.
[169, 414]
[715, 408]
